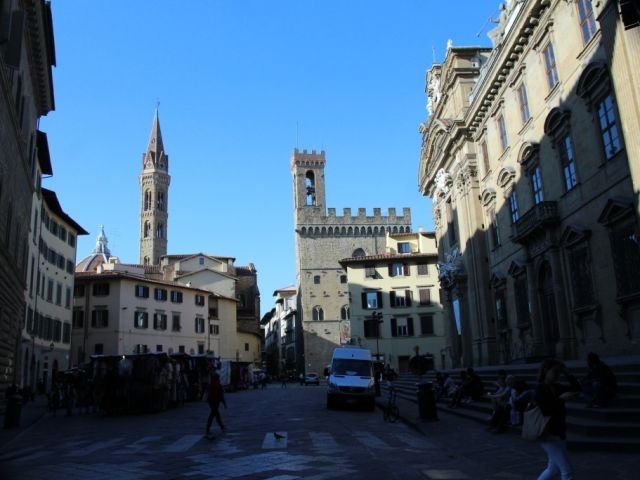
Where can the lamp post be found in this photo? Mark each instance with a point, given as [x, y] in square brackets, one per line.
[377, 320]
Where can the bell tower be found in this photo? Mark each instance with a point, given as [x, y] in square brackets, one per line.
[154, 192]
[308, 182]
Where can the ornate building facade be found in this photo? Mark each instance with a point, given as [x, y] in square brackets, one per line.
[322, 240]
[154, 196]
[527, 157]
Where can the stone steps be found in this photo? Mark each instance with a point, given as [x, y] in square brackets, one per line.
[607, 429]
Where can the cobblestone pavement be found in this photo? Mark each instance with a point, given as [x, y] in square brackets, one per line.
[315, 444]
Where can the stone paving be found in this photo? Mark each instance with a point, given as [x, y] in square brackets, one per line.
[312, 443]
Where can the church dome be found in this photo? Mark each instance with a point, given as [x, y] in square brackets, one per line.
[100, 254]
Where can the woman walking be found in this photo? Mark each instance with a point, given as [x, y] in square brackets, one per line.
[550, 397]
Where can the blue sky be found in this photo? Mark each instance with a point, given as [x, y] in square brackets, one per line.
[241, 84]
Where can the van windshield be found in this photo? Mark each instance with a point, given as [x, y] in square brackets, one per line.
[360, 368]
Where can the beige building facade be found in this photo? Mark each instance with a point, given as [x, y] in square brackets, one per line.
[323, 238]
[395, 307]
[529, 168]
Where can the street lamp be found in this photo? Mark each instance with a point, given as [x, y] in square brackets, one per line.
[377, 320]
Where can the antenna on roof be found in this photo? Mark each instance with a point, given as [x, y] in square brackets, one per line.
[490, 19]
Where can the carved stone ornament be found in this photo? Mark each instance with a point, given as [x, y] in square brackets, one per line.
[450, 269]
[443, 181]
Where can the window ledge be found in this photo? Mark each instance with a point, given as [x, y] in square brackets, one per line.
[504, 154]
[526, 125]
[606, 161]
[553, 91]
[589, 46]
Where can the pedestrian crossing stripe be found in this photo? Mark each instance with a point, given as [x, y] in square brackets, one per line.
[322, 443]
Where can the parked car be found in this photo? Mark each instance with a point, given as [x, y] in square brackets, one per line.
[311, 378]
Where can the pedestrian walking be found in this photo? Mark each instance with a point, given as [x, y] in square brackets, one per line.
[283, 379]
[550, 396]
[215, 398]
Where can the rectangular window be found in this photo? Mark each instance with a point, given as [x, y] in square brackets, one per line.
[200, 300]
[523, 101]
[100, 317]
[98, 349]
[425, 296]
[215, 329]
[58, 294]
[52, 256]
[160, 294]
[67, 298]
[371, 328]
[568, 163]
[176, 297]
[78, 291]
[513, 207]
[625, 248]
[140, 319]
[581, 284]
[142, 291]
[536, 185]
[402, 327]
[404, 247]
[175, 322]
[71, 240]
[159, 348]
[400, 299]
[77, 318]
[371, 300]
[49, 290]
[502, 131]
[426, 325]
[66, 333]
[29, 320]
[494, 229]
[485, 157]
[398, 269]
[521, 291]
[501, 309]
[423, 269]
[316, 279]
[159, 321]
[370, 271]
[199, 325]
[200, 348]
[140, 348]
[61, 262]
[609, 127]
[246, 347]
[343, 279]
[100, 289]
[69, 266]
[587, 20]
[550, 66]
[181, 349]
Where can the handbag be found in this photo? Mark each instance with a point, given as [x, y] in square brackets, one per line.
[534, 424]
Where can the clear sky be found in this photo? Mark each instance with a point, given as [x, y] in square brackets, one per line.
[240, 84]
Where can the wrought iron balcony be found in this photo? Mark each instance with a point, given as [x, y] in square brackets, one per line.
[542, 215]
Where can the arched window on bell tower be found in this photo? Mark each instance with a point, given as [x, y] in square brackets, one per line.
[160, 201]
[147, 229]
[146, 261]
[147, 200]
[310, 184]
[160, 231]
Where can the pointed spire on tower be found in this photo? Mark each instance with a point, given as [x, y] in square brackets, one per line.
[155, 156]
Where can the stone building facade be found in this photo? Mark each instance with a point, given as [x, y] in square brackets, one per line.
[154, 196]
[283, 345]
[322, 240]
[395, 307]
[27, 54]
[527, 157]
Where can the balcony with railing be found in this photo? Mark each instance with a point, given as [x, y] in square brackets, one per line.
[539, 217]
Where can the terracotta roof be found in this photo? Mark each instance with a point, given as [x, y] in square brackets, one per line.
[114, 275]
[389, 256]
[91, 263]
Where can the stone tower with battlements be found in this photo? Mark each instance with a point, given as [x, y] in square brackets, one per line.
[154, 191]
[323, 238]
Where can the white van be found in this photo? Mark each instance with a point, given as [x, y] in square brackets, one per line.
[351, 377]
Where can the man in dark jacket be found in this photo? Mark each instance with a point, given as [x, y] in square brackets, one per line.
[216, 397]
[600, 384]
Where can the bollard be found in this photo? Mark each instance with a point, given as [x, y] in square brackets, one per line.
[427, 401]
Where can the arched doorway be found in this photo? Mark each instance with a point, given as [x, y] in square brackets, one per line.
[548, 312]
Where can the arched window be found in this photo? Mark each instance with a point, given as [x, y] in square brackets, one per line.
[160, 201]
[146, 261]
[318, 314]
[147, 200]
[358, 252]
[345, 313]
[147, 229]
[310, 184]
[160, 231]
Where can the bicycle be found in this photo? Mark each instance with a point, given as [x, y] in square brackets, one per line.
[391, 412]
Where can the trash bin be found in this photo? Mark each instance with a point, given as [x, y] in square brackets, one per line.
[427, 401]
[13, 411]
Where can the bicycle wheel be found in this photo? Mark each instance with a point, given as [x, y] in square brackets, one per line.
[393, 413]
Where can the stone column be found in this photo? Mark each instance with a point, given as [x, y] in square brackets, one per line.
[564, 321]
[534, 311]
